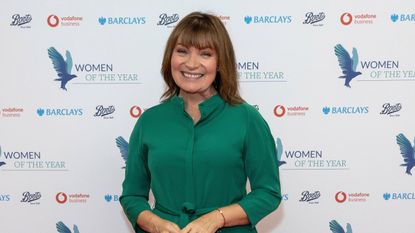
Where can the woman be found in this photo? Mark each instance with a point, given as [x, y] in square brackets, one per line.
[197, 148]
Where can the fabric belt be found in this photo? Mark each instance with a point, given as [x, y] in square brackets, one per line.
[186, 213]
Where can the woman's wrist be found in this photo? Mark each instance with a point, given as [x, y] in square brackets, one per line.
[148, 221]
[219, 217]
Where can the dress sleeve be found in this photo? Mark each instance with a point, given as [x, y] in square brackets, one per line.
[136, 185]
[261, 168]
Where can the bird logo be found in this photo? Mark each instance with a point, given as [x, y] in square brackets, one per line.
[62, 228]
[407, 152]
[122, 144]
[336, 228]
[279, 152]
[347, 64]
[1, 163]
[62, 67]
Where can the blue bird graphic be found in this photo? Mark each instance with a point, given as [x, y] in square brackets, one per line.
[279, 152]
[62, 67]
[1, 163]
[347, 64]
[336, 228]
[62, 228]
[407, 152]
[122, 144]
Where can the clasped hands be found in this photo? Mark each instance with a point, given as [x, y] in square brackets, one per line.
[208, 223]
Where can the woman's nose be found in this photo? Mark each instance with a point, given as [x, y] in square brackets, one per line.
[192, 61]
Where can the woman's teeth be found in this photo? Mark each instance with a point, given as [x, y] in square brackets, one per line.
[189, 75]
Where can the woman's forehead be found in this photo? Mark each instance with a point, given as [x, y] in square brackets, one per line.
[199, 40]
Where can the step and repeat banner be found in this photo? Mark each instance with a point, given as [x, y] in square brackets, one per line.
[335, 81]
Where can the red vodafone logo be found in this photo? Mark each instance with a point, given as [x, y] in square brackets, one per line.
[279, 111]
[61, 197]
[53, 20]
[135, 111]
[340, 197]
[346, 18]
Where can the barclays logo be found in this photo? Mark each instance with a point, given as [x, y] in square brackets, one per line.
[284, 197]
[109, 198]
[121, 20]
[403, 18]
[268, 19]
[347, 64]
[102, 20]
[59, 112]
[5, 197]
[399, 196]
[345, 110]
[394, 17]
[248, 19]
[62, 228]
[335, 227]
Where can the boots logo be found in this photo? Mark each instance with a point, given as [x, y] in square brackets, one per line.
[104, 112]
[391, 110]
[167, 20]
[311, 198]
[313, 19]
[21, 20]
[30, 198]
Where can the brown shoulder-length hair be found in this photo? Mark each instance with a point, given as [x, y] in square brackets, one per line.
[203, 30]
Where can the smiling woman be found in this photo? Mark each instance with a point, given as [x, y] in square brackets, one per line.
[197, 148]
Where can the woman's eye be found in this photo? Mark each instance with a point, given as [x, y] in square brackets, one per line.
[207, 54]
[181, 51]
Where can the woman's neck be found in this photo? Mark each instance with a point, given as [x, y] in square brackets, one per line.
[194, 99]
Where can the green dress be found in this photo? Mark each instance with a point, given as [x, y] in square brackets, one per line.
[193, 169]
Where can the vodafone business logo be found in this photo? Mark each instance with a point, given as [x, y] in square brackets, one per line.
[279, 111]
[346, 18]
[135, 111]
[61, 197]
[53, 21]
[340, 197]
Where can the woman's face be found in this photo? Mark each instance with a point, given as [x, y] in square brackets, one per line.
[193, 69]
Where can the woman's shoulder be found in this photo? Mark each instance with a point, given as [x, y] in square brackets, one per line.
[250, 111]
[154, 111]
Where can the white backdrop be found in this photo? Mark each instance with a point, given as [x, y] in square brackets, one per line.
[53, 147]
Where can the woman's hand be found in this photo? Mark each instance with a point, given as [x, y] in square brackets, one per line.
[152, 223]
[163, 226]
[208, 223]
